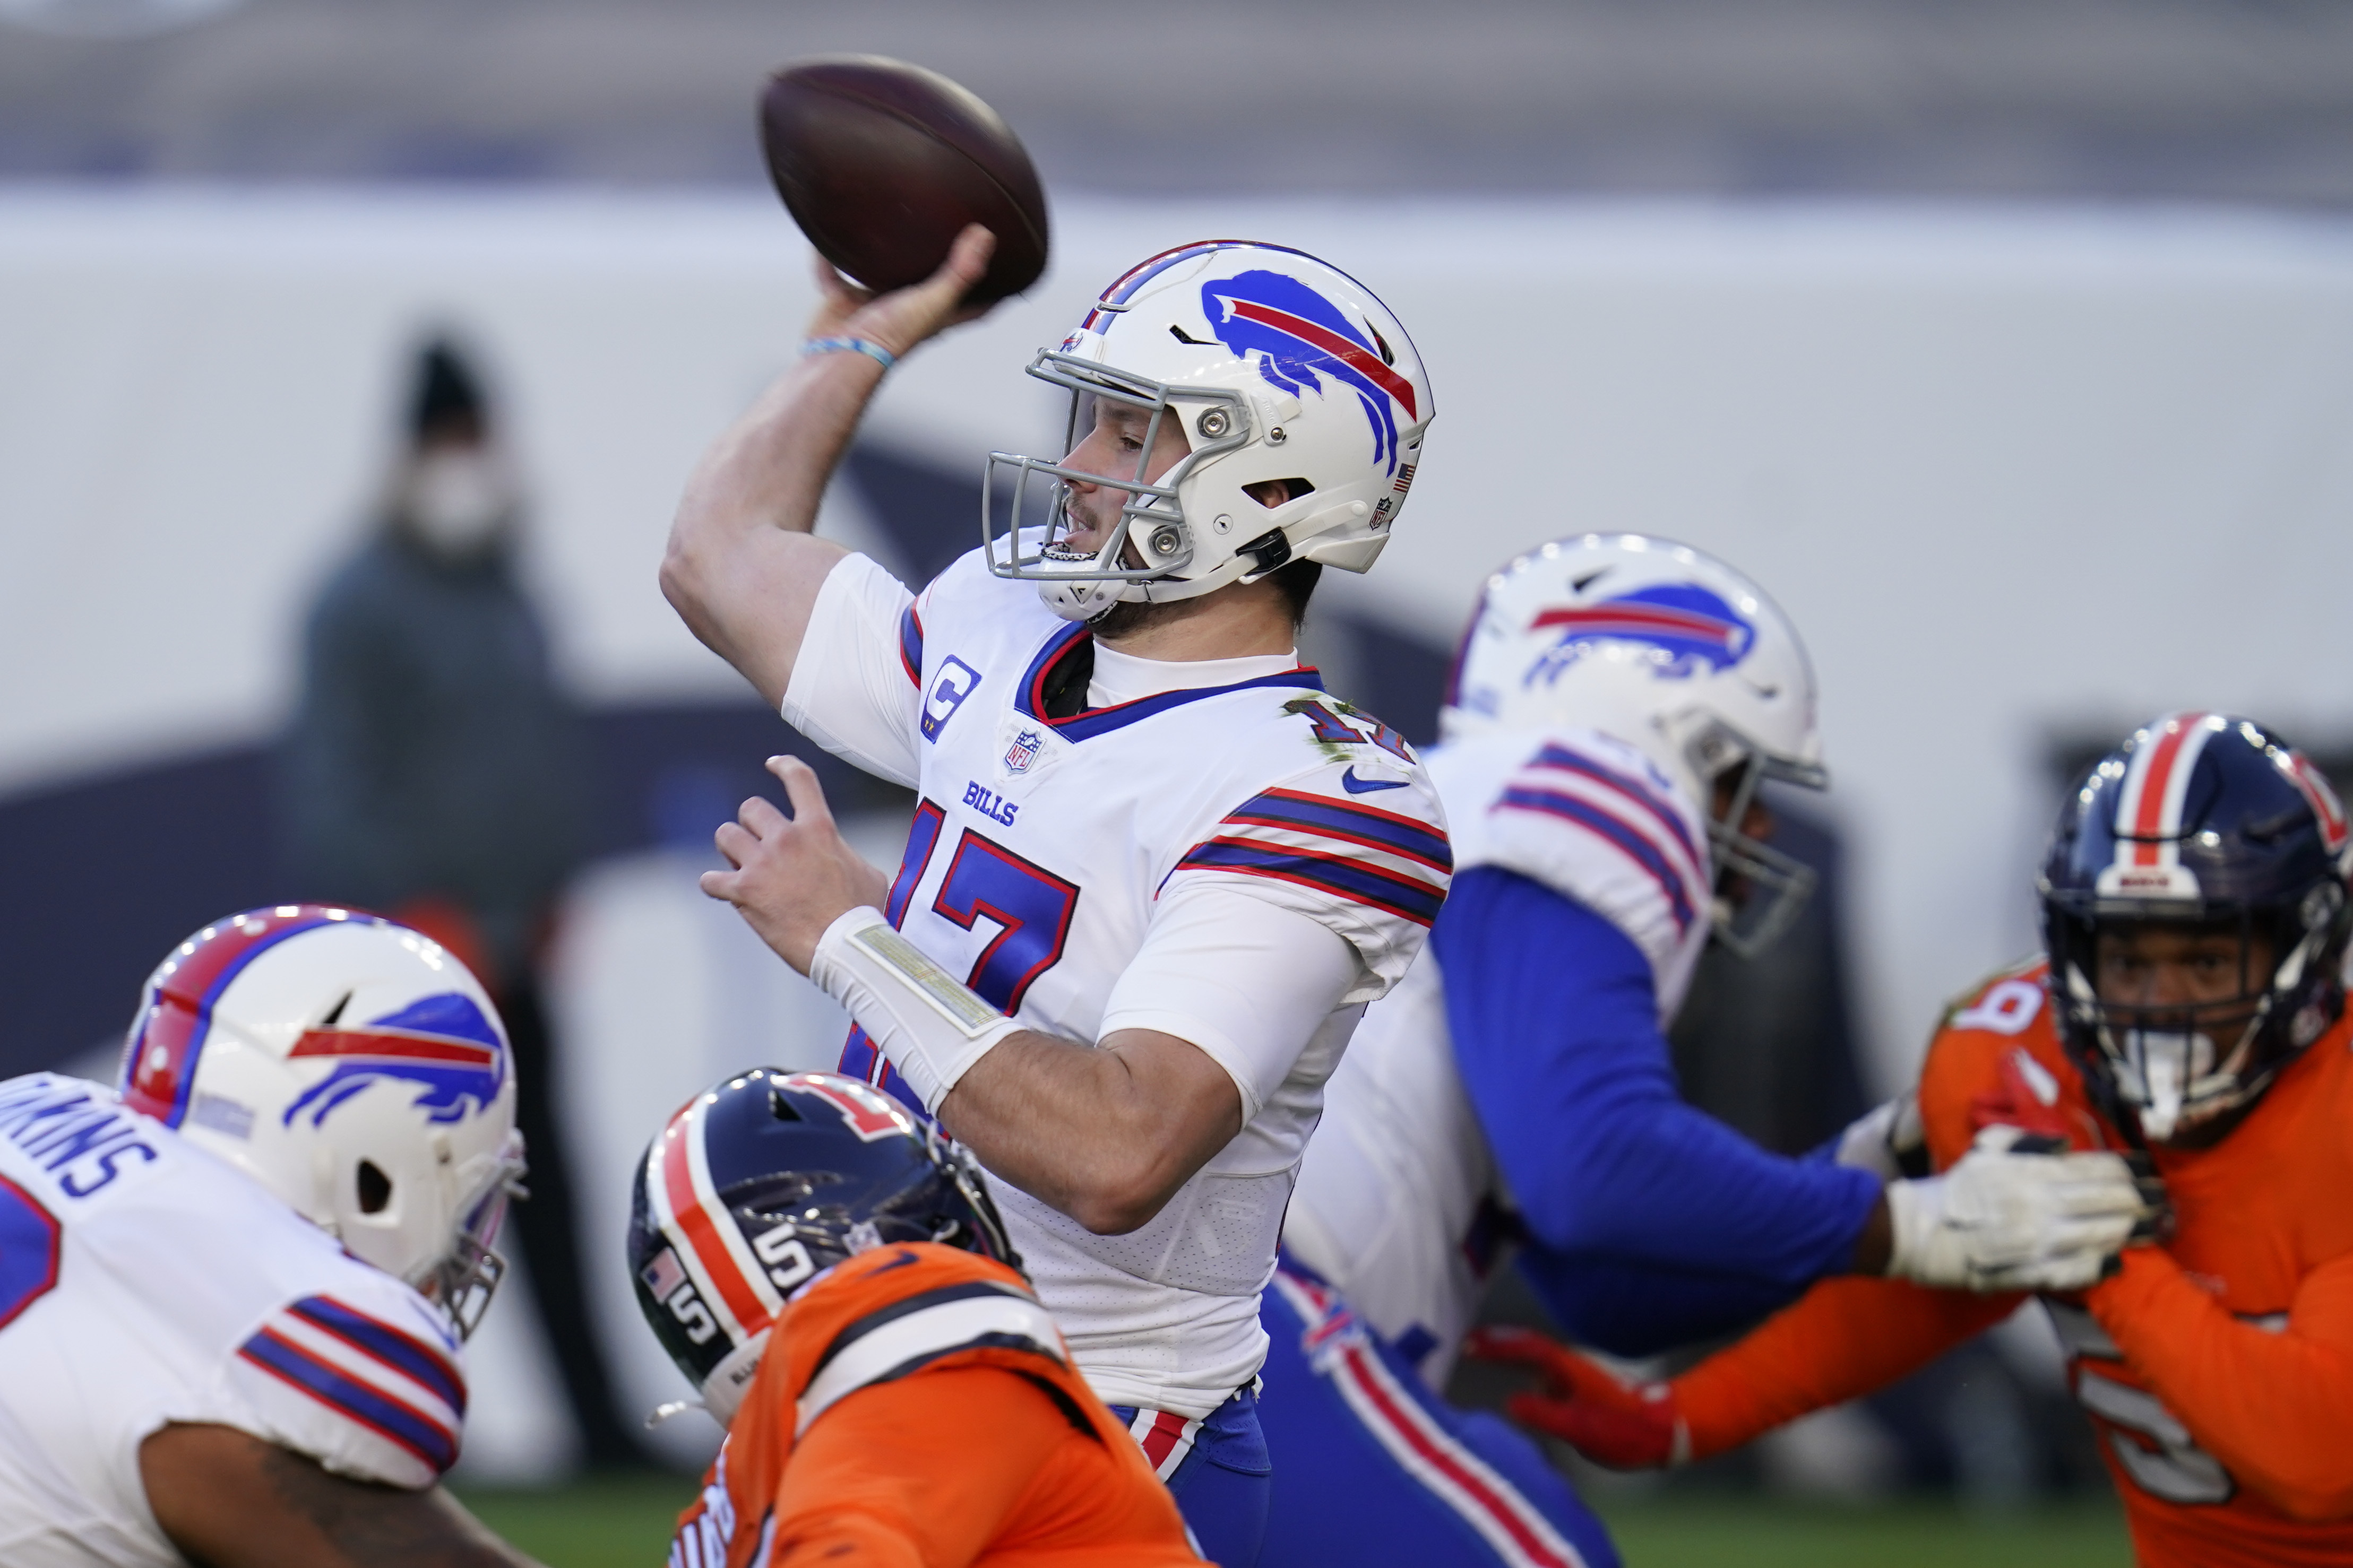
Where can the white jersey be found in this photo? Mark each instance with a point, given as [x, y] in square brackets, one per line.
[1400, 1205]
[144, 1281]
[1284, 856]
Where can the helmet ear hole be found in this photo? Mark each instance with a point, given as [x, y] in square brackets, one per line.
[375, 1188]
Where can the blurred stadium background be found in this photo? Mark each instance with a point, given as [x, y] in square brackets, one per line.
[2010, 345]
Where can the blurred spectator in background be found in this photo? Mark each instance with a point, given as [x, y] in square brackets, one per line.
[434, 773]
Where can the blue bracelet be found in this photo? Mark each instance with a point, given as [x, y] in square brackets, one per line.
[874, 351]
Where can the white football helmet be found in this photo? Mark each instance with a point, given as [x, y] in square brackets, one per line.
[353, 1068]
[1672, 651]
[1276, 366]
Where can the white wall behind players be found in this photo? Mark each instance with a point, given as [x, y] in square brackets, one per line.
[2009, 470]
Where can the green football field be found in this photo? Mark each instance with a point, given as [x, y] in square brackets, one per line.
[626, 1524]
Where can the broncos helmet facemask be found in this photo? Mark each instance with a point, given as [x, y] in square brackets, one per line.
[762, 1184]
[2205, 827]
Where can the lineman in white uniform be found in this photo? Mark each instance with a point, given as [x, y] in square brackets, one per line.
[1617, 703]
[231, 1291]
[1143, 825]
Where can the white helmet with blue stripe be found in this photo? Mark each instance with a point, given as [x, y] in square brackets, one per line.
[1673, 652]
[1275, 367]
[352, 1066]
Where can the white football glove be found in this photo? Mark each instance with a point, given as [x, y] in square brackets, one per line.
[1888, 1139]
[2018, 1214]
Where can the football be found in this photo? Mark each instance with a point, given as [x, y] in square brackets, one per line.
[882, 162]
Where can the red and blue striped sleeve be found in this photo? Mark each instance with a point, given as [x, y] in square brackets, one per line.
[1597, 823]
[357, 1391]
[1375, 875]
[1382, 859]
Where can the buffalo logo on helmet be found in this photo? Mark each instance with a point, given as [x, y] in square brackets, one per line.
[1301, 337]
[1691, 630]
[443, 1044]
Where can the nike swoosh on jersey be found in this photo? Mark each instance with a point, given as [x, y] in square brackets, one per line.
[1355, 785]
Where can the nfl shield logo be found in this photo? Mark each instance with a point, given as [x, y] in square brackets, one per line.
[1023, 752]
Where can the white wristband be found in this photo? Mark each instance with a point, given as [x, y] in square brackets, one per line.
[931, 1026]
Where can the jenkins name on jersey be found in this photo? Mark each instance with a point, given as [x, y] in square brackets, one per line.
[144, 1281]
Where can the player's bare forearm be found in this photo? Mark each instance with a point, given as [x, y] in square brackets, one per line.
[1874, 1244]
[1105, 1135]
[742, 569]
[227, 1499]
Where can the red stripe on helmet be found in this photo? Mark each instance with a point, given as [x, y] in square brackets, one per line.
[1600, 619]
[2314, 787]
[693, 1225]
[386, 1043]
[1123, 286]
[2148, 822]
[1356, 354]
[170, 1035]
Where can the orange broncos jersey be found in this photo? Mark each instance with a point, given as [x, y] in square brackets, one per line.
[915, 1405]
[2217, 1370]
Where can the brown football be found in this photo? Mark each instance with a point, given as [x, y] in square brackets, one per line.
[882, 162]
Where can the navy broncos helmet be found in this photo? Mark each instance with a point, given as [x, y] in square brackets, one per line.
[762, 1184]
[2215, 824]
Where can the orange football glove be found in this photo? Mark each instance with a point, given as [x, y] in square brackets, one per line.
[1626, 1427]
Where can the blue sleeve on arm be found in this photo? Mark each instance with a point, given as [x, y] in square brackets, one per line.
[1640, 1309]
[1555, 1033]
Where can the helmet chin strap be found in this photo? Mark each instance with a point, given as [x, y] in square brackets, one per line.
[723, 1390]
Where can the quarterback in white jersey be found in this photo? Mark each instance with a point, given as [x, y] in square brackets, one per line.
[1156, 872]
[215, 1339]
[1616, 704]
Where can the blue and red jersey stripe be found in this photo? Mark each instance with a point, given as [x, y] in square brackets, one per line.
[911, 645]
[1349, 879]
[399, 1424]
[1561, 759]
[1297, 812]
[1030, 697]
[1603, 826]
[404, 1352]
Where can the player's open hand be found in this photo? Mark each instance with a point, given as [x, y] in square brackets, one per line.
[1625, 1427]
[793, 876]
[904, 317]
